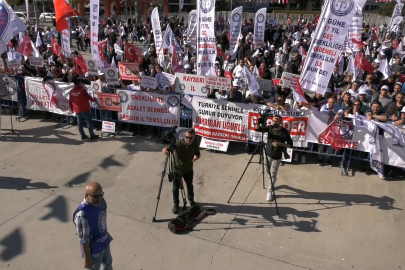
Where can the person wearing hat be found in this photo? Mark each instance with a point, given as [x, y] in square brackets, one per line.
[79, 103]
[187, 69]
[218, 70]
[383, 97]
[400, 122]
[235, 95]
[240, 52]
[277, 71]
[266, 59]
[228, 65]
[280, 57]
[363, 97]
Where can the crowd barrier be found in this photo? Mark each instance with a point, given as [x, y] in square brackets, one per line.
[346, 155]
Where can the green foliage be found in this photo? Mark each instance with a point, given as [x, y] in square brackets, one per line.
[386, 9]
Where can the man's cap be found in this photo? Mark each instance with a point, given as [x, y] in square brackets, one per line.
[385, 87]
[376, 61]
[235, 83]
[187, 66]
[266, 51]
[272, 46]
[362, 92]
[277, 63]
[217, 63]
[100, 73]
[398, 83]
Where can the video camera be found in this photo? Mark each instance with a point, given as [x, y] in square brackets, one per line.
[263, 117]
[170, 135]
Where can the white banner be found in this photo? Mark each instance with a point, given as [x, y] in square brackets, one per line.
[214, 144]
[192, 28]
[328, 42]
[157, 32]
[148, 81]
[166, 79]
[355, 33]
[36, 61]
[149, 108]
[206, 45]
[191, 84]
[13, 63]
[235, 28]
[289, 80]
[260, 23]
[396, 15]
[38, 100]
[111, 75]
[181, 3]
[95, 86]
[108, 126]
[169, 40]
[92, 68]
[65, 36]
[94, 21]
[221, 83]
[9, 85]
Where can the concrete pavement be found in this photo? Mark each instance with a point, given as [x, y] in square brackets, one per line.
[327, 221]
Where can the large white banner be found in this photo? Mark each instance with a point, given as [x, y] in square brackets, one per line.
[206, 45]
[235, 29]
[65, 36]
[157, 32]
[327, 44]
[94, 20]
[38, 100]
[192, 28]
[355, 33]
[149, 108]
[191, 84]
[396, 18]
[260, 23]
[169, 40]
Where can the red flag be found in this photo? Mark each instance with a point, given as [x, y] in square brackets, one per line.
[374, 37]
[56, 48]
[221, 53]
[299, 95]
[63, 11]
[357, 42]
[25, 47]
[80, 65]
[362, 63]
[131, 52]
[315, 21]
[101, 45]
[175, 61]
[332, 135]
[395, 43]
[228, 74]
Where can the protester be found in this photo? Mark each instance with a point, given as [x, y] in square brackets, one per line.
[90, 219]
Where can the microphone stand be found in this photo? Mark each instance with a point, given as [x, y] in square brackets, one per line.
[11, 132]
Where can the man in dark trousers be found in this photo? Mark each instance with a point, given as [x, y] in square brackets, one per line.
[79, 103]
[278, 140]
[90, 219]
[187, 151]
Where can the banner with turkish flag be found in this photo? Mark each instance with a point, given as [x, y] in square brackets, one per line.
[101, 45]
[25, 46]
[131, 52]
[56, 48]
[63, 11]
[362, 63]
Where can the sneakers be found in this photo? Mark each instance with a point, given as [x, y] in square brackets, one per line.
[328, 163]
[175, 209]
[192, 203]
[303, 159]
[94, 137]
[270, 196]
[85, 137]
[321, 163]
[296, 157]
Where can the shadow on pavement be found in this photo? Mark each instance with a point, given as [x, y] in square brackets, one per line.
[58, 210]
[19, 183]
[13, 245]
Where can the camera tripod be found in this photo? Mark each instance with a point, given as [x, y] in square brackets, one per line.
[261, 148]
[11, 132]
[173, 175]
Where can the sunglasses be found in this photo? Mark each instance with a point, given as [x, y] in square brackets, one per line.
[96, 196]
[189, 138]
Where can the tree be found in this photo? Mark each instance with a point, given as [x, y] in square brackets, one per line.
[386, 9]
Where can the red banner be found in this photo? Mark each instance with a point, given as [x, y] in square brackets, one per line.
[109, 102]
[129, 71]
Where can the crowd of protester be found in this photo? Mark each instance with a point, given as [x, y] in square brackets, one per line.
[372, 94]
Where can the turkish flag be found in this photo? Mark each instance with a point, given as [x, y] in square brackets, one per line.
[131, 52]
[315, 21]
[228, 74]
[331, 135]
[221, 53]
[357, 42]
[175, 61]
[395, 43]
[362, 63]
[374, 37]
[25, 47]
[56, 48]
[101, 45]
[63, 11]
[80, 65]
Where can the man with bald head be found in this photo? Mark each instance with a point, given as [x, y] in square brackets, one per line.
[90, 219]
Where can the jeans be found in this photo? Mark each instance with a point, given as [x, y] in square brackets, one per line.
[272, 170]
[188, 178]
[321, 149]
[104, 259]
[80, 119]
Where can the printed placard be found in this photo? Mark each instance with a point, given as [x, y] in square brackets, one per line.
[13, 63]
[218, 82]
[191, 84]
[265, 85]
[109, 102]
[111, 75]
[148, 81]
[289, 80]
[96, 86]
[92, 68]
[108, 127]
[214, 144]
[166, 78]
[187, 101]
[36, 61]
[129, 71]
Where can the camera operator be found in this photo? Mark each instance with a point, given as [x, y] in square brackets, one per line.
[278, 140]
[187, 151]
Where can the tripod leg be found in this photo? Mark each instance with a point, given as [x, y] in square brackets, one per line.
[160, 185]
[254, 153]
[272, 185]
[262, 159]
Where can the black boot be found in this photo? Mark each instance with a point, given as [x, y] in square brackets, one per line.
[175, 209]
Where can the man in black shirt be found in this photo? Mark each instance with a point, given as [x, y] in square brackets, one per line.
[187, 151]
[278, 139]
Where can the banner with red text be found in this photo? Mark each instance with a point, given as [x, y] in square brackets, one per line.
[149, 108]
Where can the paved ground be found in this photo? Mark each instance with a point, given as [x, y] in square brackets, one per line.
[327, 221]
